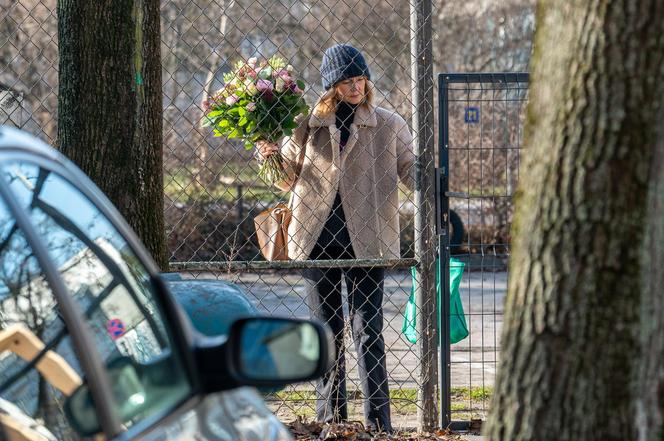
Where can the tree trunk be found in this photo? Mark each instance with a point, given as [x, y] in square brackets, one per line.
[582, 343]
[110, 102]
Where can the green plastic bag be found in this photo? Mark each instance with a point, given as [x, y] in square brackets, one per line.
[458, 326]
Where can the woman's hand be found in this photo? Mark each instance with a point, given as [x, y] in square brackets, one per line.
[265, 148]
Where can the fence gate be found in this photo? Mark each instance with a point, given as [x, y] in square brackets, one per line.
[481, 120]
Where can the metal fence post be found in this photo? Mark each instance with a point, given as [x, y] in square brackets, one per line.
[423, 123]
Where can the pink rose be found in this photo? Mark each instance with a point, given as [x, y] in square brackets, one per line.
[230, 100]
[284, 75]
[251, 107]
[264, 85]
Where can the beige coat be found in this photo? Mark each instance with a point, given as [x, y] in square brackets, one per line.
[378, 153]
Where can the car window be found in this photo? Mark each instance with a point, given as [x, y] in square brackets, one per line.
[31, 394]
[107, 280]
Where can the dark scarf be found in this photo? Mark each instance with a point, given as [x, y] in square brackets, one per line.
[334, 240]
[344, 118]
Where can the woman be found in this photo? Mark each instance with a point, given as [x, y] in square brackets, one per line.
[344, 162]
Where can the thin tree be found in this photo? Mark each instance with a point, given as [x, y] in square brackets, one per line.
[110, 106]
[583, 338]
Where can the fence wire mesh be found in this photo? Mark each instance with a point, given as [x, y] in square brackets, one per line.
[212, 191]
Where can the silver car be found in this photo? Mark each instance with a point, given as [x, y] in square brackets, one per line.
[92, 343]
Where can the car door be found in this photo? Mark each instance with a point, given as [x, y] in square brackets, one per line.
[111, 303]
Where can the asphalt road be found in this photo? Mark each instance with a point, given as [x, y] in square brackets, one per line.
[474, 360]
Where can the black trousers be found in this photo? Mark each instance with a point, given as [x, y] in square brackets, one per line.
[365, 299]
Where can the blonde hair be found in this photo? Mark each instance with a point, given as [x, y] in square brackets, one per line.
[327, 103]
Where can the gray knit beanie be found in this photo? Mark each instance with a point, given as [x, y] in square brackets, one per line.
[340, 62]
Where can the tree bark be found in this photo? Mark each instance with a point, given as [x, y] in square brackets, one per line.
[110, 106]
[584, 323]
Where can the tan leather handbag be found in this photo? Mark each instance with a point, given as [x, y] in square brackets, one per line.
[272, 231]
[272, 225]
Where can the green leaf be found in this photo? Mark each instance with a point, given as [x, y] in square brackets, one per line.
[215, 113]
[300, 84]
[224, 123]
[243, 121]
[248, 144]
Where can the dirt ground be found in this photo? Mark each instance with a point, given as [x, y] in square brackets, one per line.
[303, 430]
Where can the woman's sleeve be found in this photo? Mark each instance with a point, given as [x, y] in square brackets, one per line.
[405, 155]
[291, 148]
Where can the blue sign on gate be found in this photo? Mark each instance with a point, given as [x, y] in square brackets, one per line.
[472, 115]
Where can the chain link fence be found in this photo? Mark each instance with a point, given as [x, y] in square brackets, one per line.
[212, 190]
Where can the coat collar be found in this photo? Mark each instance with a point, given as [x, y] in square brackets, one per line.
[365, 116]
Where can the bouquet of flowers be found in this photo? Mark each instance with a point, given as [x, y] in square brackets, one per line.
[259, 101]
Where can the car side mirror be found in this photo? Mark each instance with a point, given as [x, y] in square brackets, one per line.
[127, 389]
[271, 351]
